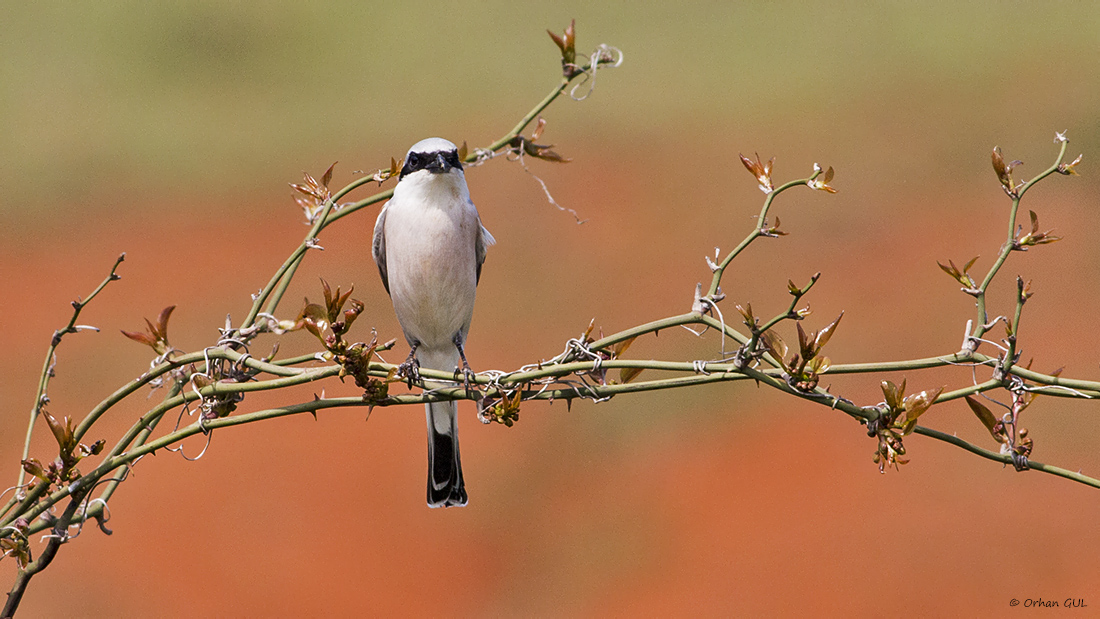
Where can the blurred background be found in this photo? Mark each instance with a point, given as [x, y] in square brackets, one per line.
[170, 131]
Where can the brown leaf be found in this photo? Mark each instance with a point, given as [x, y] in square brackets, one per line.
[567, 42]
[775, 345]
[628, 374]
[540, 151]
[162, 323]
[588, 331]
[1000, 168]
[540, 124]
[62, 431]
[826, 333]
[893, 394]
[34, 467]
[805, 343]
[916, 405]
[746, 312]
[618, 349]
[762, 171]
[985, 416]
[141, 338]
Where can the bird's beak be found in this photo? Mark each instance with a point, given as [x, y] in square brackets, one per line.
[438, 165]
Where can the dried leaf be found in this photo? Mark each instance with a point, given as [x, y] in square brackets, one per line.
[540, 124]
[618, 349]
[628, 374]
[746, 312]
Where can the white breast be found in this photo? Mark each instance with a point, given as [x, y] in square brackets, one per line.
[431, 229]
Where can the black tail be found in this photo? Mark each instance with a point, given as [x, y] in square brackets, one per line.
[445, 487]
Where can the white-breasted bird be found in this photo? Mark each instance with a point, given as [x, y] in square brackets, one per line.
[429, 245]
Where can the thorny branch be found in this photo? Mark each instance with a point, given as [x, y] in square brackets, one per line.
[210, 384]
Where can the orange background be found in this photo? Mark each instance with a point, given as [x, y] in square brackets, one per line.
[168, 133]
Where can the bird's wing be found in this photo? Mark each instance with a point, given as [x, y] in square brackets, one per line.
[378, 247]
[484, 240]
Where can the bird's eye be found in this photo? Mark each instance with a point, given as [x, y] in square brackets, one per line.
[414, 160]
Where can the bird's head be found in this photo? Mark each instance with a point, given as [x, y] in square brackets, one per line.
[431, 156]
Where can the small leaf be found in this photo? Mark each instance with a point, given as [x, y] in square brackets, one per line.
[328, 174]
[628, 374]
[35, 468]
[775, 345]
[893, 394]
[142, 338]
[985, 416]
[819, 365]
[826, 333]
[746, 312]
[588, 331]
[162, 323]
[540, 125]
[618, 349]
[315, 319]
[919, 403]
[1000, 168]
[353, 312]
[62, 431]
[567, 43]
[805, 343]
[328, 293]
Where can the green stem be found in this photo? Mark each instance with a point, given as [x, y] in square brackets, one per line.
[47, 366]
[761, 222]
[983, 325]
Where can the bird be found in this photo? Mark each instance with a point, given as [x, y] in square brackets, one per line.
[429, 245]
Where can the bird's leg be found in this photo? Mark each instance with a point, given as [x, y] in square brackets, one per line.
[410, 369]
[467, 373]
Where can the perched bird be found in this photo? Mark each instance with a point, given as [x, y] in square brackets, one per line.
[429, 245]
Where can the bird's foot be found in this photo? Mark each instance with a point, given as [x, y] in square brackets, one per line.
[410, 369]
[467, 373]
[468, 378]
